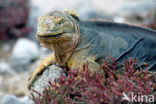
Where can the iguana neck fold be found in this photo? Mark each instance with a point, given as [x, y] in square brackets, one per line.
[70, 46]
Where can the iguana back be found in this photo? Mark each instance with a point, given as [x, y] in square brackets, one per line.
[121, 41]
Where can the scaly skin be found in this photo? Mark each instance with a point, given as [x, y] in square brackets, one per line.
[75, 42]
[57, 31]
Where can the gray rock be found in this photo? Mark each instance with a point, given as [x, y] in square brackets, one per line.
[49, 74]
[6, 69]
[26, 100]
[24, 52]
[10, 99]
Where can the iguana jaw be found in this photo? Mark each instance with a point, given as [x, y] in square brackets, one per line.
[49, 35]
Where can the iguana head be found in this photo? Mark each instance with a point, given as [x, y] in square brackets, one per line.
[56, 25]
[59, 32]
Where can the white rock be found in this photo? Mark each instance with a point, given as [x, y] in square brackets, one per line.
[6, 69]
[25, 49]
[10, 99]
[24, 52]
[26, 100]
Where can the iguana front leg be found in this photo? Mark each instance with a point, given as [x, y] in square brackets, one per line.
[77, 62]
[92, 65]
[50, 59]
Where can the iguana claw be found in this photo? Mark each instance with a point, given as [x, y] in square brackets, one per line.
[31, 79]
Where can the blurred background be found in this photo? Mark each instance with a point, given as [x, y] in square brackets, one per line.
[19, 50]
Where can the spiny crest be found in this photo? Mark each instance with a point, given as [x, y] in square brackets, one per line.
[73, 14]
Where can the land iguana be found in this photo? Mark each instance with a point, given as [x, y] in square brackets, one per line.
[75, 42]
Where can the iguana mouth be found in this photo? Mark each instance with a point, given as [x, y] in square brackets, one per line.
[56, 35]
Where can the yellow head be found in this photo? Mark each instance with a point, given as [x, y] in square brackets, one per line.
[55, 24]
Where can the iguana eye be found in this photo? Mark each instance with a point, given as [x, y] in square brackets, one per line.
[59, 24]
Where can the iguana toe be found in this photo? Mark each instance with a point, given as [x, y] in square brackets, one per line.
[31, 79]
